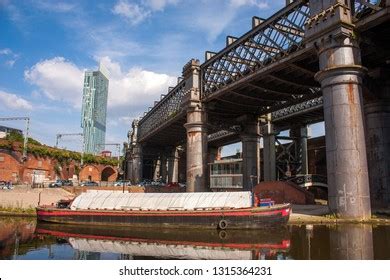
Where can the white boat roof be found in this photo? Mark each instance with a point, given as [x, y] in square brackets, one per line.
[117, 200]
[159, 250]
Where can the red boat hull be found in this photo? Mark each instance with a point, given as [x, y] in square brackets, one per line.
[245, 218]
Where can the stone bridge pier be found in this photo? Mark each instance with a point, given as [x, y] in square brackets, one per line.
[196, 127]
[331, 32]
[377, 113]
[250, 138]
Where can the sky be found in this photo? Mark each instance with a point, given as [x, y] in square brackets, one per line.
[46, 45]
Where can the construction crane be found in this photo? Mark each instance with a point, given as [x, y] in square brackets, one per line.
[25, 140]
[60, 135]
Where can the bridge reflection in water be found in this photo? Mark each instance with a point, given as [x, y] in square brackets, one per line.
[24, 239]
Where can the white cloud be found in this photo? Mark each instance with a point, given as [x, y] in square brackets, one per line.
[10, 62]
[134, 13]
[261, 4]
[129, 91]
[159, 5]
[5, 52]
[12, 101]
[59, 7]
[134, 88]
[58, 79]
[10, 57]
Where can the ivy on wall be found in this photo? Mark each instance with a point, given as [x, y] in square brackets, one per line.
[64, 157]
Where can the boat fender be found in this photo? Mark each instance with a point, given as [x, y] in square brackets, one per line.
[223, 224]
[222, 234]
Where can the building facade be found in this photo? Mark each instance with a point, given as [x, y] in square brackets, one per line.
[94, 110]
[5, 130]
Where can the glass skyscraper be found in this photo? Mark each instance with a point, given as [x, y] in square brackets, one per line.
[94, 110]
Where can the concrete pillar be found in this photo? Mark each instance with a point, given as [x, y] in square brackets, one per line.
[331, 32]
[269, 160]
[196, 129]
[377, 112]
[351, 242]
[250, 139]
[173, 166]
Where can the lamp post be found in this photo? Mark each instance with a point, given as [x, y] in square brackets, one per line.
[123, 181]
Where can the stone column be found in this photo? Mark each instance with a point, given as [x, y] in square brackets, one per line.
[301, 133]
[377, 112]
[173, 166]
[164, 168]
[331, 32]
[137, 164]
[129, 169]
[157, 169]
[269, 160]
[196, 130]
[250, 155]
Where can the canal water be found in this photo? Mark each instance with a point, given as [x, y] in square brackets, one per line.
[24, 239]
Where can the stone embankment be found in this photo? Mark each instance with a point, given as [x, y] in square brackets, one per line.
[23, 199]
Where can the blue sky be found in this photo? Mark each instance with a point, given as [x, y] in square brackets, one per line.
[45, 47]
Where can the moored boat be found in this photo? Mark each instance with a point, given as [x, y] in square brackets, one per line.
[225, 210]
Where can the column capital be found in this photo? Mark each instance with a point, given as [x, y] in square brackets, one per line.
[191, 100]
[191, 67]
[268, 129]
[340, 74]
[328, 17]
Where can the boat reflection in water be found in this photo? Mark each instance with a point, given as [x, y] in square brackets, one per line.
[170, 244]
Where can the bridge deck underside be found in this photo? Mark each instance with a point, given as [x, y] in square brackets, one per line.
[172, 133]
[268, 90]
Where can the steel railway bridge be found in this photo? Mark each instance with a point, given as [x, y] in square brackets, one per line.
[314, 60]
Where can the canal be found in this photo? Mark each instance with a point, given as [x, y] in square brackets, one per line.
[24, 239]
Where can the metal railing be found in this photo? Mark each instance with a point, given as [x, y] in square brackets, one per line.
[226, 181]
[265, 44]
[168, 107]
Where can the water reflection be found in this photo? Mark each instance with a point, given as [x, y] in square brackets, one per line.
[351, 242]
[91, 242]
[12, 234]
[24, 239]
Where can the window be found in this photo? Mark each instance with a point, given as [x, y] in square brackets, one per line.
[1, 159]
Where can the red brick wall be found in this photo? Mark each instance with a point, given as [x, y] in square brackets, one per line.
[9, 167]
[282, 192]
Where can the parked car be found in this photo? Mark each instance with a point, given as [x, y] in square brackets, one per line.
[121, 183]
[67, 183]
[56, 184]
[145, 182]
[89, 184]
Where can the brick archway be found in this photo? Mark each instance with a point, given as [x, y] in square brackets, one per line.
[90, 172]
[109, 174]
